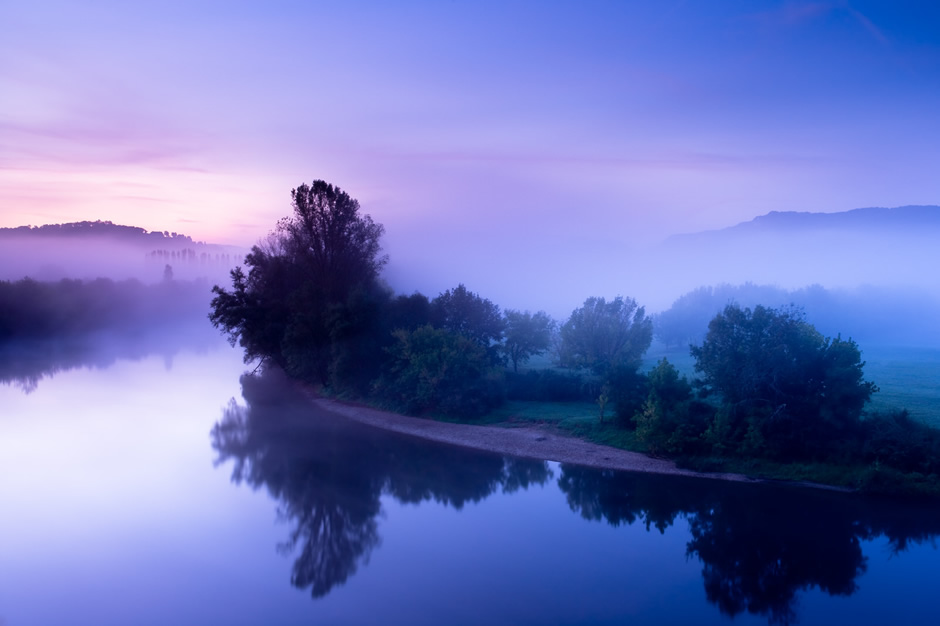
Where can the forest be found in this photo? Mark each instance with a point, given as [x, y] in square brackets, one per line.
[770, 390]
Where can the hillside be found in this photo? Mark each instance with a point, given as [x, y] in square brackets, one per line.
[915, 220]
[104, 249]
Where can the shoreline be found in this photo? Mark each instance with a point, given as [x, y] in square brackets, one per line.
[539, 443]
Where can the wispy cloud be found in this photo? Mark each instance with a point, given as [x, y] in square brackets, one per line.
[797, 14]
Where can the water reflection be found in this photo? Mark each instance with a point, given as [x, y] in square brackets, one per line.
[328, 475]
[758, 544]
[26, 363]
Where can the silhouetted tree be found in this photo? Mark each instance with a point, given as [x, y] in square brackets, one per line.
[300, 281]
[466, 313]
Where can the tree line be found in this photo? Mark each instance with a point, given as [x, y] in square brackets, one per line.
[771, 386]
[876, 315]
[32, 310]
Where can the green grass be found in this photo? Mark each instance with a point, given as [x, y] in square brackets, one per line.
[908, 377]
[565, 415]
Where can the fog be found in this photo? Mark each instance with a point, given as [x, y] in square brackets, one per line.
[883, 316]
[868, 273]
[48, 327]
[26, 363]
[120, 255]
[876, 248]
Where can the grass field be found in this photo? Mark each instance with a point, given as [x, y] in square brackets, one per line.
[908, 378]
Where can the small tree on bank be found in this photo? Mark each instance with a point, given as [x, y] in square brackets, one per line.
[527, 335]
[610, 339]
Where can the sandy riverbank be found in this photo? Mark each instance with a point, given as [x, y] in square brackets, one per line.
[526, 441]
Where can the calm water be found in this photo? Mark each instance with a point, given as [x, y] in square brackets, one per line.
[168, 489]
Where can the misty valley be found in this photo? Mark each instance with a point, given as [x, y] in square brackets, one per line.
[469, 313]
[170, 476]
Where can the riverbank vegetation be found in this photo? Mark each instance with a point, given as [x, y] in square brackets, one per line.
[770, 392]
[32, 310]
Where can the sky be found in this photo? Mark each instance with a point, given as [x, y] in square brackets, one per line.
[518, 147]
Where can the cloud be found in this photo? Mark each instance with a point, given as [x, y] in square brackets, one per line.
[798, 14]
[869, 26]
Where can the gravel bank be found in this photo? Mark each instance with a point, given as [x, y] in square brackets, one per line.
[526, 441]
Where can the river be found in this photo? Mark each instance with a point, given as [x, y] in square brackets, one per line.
[161, 486]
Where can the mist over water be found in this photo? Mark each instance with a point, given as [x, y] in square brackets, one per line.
[26, 363]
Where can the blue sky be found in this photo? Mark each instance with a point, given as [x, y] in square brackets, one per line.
[534, 136]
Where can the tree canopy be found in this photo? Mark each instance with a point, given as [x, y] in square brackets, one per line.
[527, 334]
[302, 300]
[782, 384]
[602, 335]
[468, 314]
[335, 246]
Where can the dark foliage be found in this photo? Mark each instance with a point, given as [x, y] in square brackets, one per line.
[785, 389]
[33, 310]
[432, 369]
[466, 313]
[310, 290]
[409, 312]
[547, 386]
[671, 421]
[626, 390]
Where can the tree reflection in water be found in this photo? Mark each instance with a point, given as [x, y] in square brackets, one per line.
[328, 475]
[759, 544]
[26, 363]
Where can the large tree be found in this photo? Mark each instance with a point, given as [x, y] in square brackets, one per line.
[301, 302]
[335, 246]
[784, 387]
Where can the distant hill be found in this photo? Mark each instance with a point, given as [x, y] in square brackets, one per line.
[914, 220]
[104, 249]
[887, 247]
[108, 230]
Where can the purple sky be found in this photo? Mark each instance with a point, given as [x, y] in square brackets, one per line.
[523, 141]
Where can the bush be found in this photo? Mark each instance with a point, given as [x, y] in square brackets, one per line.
[669, 420]
[547, 386]
[436, 370]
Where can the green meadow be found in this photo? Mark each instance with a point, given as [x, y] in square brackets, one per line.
[907, 377]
